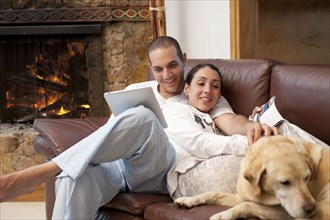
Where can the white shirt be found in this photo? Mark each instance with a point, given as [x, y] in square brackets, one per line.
[195, 138]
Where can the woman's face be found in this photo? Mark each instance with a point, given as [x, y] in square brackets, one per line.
[204, 90]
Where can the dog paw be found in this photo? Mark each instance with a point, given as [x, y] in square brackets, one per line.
[186, 202]
[225, 215]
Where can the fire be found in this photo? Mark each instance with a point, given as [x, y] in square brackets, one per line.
[85, 106]
[53, 84]
[62, 111]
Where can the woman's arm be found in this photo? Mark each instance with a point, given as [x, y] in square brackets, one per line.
[185, 132]
[231, 124]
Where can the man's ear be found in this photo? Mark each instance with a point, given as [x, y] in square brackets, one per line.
[184, 58]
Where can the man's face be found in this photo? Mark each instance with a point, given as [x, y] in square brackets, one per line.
[168, 70]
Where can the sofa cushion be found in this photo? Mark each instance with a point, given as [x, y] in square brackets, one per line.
[303, 97]
[173, 212]
[115, 214]
[135, 203]
[57, 135]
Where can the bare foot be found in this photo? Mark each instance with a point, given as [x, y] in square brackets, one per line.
[26, 181]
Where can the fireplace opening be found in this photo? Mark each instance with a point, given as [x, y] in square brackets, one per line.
[43, 76]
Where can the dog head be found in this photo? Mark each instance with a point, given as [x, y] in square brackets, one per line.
[277, 170]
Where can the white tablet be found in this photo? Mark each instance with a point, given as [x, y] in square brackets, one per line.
[120, 101]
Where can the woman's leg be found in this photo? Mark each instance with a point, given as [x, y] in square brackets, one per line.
[218, 173]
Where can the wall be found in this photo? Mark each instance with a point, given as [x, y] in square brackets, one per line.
[294, 32]
[289, 31]
[201, 27]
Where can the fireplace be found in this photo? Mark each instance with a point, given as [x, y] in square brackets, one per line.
[44, 75]
[41, 78]
[58, 61]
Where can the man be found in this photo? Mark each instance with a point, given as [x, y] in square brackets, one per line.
[131, 152]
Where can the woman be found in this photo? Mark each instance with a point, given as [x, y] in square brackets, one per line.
[206, 160]
[203, 155]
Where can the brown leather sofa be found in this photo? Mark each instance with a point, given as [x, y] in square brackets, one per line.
[303, 98]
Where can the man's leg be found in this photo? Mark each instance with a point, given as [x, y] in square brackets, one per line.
[82, 197]
[139, 140]
[26, 181]
[120, 138]
[145, 170]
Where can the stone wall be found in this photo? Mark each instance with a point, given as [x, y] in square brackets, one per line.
[16, 148]
[125, 60]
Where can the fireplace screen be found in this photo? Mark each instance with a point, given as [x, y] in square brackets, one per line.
[42, 76]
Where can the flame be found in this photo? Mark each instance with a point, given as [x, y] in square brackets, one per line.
[85, 106]
[62, 111]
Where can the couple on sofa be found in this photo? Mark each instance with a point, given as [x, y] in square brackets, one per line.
[132, 152]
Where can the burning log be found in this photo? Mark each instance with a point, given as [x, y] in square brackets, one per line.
[25, 80]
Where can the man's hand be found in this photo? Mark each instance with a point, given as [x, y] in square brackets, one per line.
[256, 130]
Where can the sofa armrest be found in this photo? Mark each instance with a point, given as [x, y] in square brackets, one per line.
[57, 135]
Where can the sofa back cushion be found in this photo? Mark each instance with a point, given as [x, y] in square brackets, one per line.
[303, 97]
[246, 83]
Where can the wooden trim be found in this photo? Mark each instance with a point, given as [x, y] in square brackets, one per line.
[234, 29]
[157, 18]
[243, 28]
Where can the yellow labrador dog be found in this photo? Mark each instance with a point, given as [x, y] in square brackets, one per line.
[280, 178]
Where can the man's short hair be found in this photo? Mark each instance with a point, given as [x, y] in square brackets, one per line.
[164, 42]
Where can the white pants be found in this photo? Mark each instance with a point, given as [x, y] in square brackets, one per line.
[130, 152]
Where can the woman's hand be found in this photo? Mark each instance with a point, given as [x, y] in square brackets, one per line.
[257, 130]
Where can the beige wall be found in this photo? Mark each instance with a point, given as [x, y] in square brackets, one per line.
[294, 31]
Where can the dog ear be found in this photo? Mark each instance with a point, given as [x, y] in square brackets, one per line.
[311, 153]
[253, 175]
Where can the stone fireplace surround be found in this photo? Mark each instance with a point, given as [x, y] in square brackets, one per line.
[116, 55]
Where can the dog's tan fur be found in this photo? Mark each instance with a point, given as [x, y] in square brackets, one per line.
[280, 178]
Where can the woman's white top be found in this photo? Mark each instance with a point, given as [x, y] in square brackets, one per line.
[195, 138]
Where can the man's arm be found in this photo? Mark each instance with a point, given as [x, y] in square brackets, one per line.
[230, 124]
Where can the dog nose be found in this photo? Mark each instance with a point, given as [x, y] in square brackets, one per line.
[309, 208]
